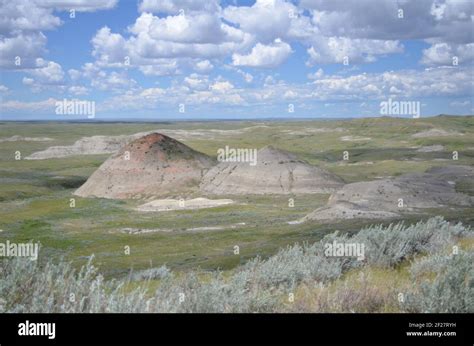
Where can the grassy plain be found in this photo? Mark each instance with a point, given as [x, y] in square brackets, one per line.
[35, 194]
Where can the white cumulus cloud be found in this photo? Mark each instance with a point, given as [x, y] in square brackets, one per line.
[268, 56]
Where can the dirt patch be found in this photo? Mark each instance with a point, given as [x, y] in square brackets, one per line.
[435, 133]
[129, 230]
[311, 131]
[176, 204]
[346, 210]
[17, 138]
[431, 148]
[354, 139]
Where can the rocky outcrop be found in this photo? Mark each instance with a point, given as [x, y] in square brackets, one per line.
[386, 198]
[153, 165]
[94, 145]
[275, 172]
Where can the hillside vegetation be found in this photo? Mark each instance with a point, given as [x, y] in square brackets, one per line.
[423, 267]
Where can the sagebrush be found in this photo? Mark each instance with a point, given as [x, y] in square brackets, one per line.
[261, 285]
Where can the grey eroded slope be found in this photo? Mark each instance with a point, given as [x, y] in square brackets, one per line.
[276, 172]
[387, 198]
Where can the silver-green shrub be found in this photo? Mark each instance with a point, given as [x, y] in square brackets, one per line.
[191, 294]
[433, 264]
[388, 246]
[451, 291]
[150, 274]
[26, 286]
[291, 266]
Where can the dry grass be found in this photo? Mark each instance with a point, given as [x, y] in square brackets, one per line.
[366, 290]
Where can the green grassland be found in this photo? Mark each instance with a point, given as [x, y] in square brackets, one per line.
[35, 194]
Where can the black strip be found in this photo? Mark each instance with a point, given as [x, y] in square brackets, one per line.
[274, 329]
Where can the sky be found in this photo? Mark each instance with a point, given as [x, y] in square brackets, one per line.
[236, 59]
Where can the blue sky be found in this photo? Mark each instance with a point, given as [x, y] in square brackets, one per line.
[235, 59]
